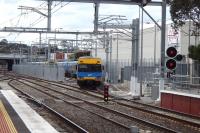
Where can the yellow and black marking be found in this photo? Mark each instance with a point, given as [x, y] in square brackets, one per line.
[9, 119]
[6, 124]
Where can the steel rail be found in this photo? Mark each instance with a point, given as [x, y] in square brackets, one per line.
[138, 108]
[110, 110]
[4, 78]
[68, 121]
[138, 103]
[89, 93]
[119, 124]
[162, 115]
[135, 102]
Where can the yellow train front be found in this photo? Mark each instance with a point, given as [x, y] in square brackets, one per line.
[90, 71]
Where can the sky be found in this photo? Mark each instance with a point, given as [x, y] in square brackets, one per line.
[65, 17]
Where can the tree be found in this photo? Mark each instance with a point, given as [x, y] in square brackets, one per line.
[3, 42]
[182, 10]
[194, 52]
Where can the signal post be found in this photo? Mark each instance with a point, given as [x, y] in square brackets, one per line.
[171, 62]
[106, 93]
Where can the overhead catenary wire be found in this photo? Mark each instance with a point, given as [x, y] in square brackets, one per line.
[41, 6]
[18, 17]
[43, 17]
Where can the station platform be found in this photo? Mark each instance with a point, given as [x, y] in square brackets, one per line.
[181, 102]
[17, 117]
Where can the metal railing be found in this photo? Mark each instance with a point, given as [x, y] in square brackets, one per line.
[186, 76]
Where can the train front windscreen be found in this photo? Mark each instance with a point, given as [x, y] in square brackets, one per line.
[89, 68]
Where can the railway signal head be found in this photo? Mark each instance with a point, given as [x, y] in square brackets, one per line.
[172, 58]
[179, 57]
[171, 52]
[171, 64]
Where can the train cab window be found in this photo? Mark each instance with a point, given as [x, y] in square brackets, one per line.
[96, 68]
[102, 67]
[82, 68]
[89, 68]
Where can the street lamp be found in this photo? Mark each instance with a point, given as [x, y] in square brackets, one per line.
[57, 30]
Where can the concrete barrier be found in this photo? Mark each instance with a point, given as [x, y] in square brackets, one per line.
[51, 72]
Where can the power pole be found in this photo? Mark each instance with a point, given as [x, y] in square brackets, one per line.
[49, 15]
[110, 51]
[155, 41]
[96, 16]
[96, 19]
[134, 86]
[141, 51]
[162, 65]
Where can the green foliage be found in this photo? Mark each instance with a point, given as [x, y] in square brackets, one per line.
[74, 56]
[71, 57]
[194, 52]
[6, 47]
[81, 53]
[182, 10]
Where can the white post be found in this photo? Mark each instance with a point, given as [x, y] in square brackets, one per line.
[162, 72]
[134, 85]
[161, 87]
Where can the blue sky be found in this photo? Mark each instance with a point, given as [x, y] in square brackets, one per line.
[71, 17]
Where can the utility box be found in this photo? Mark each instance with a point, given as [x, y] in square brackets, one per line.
[155, 92]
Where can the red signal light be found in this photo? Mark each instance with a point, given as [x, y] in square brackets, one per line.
[171, 64]
[171, 52]
[172, 58]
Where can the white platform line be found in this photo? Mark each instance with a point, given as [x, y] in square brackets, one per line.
[33, 121]
[181, 93]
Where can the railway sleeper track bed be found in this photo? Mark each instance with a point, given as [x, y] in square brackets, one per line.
[2, 78]
[69, 125]
[176, 116]
[55, 119]
[90, 122]
[126, 115]
[172, 117]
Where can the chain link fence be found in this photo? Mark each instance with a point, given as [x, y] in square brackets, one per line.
[185, 77]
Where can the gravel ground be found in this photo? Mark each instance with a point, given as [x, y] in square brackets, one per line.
[94, 123]
[49, 117]
[88, 121]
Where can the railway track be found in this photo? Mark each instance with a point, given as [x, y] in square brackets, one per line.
[74, 126]
[186, 123]
[63, 105]
[99, 93]
[3, 77]
[152, 111]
